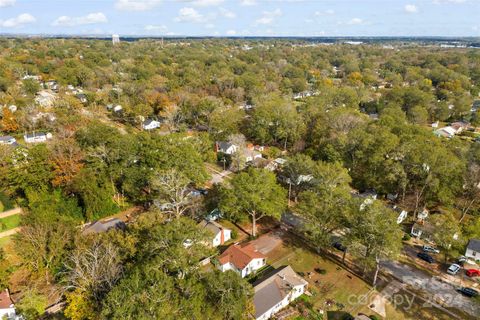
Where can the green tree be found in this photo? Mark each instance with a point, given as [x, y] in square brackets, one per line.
[255, 193]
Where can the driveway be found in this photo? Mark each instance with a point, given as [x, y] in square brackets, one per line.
[438, 291]
[218, 177]
[267, 242]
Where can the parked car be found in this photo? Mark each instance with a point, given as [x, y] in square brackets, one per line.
[426, 257]
[453, 269]
[339, 246]
[427, 248]
[469, 292]
[473, 273]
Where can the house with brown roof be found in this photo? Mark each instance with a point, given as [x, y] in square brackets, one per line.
[7, 308]
[220, 233]
[276, 291]
[243, 259]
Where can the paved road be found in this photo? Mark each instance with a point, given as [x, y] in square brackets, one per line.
[218, 177]
[10, 212]
[9, 232]
[439, 291]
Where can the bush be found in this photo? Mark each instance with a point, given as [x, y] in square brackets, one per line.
[406, 237]
[374, 317]
[234, 234]
[8, 204]
[320, 271]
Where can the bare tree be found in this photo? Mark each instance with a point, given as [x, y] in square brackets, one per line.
[173, 192]
[95, 268]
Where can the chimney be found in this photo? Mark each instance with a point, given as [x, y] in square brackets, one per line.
[222, 236]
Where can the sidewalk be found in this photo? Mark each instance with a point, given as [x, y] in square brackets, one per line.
[11, 212]
[9, 232]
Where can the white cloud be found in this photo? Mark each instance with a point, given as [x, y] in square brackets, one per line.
[227, 13]
[189, 15]
[323, 13]
[92, 18]
[136, 5]
[411, 8]
[209, 26]
[154, 28]
[7, 3]
[248, 3]
[231, 32]
[207, 3]
[268, 16]
[355, 21]
[24, 18]
[448, 1]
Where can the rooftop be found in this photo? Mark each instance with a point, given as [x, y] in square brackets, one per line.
[5, 300]
[273, 289]
[474, 244]
[240, 256]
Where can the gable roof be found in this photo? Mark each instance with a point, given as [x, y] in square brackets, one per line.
[240, 256]
[6, 138]
[214, 227]
[273, 289]
[474, 244]
[5, 300]
[224, 145]
[103, 226]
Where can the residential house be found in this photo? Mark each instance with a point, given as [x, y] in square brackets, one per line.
[251, 155]
[422, 230]
[473, 249]
[150, 124]
[7, 308]
[52, 85]
[37, 137]
[8, 140]
[220, 233]
[277, 291]
[45, 98]
[226, 147]
[104, 226]
[243, 259]
[82, 97]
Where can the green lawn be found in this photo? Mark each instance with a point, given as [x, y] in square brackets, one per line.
[9, 222]
[1, 207]
[5, 241]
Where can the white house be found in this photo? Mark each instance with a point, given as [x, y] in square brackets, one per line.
[473, 249]
[226, 147]
[277, 291]
[7, 140]
[220, 234]
[117, 108]
[150, 124]
[242, 259]
[251, 155]
[37, 137]
[446, 132]
[7, 308]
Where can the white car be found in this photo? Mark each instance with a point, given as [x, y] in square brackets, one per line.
[453, 269]
[430, 249]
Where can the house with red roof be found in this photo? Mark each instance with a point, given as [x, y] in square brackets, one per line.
[7, 308]
[243, 259]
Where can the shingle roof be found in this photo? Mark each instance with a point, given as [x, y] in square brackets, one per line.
[214, 227]
[240, 256]
[223, 145]
[5, 300]
[474, 244]
[6, 138]
[103, 226]
[273, 289]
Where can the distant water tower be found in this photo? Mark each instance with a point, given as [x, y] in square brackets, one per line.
[115, 39]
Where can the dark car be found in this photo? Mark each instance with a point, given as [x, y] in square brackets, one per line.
[469, 292]
[339, 246]
[425, 257]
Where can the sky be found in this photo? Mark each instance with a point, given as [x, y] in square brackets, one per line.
[450, 18]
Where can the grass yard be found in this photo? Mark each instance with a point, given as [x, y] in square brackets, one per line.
[5, 241]
[327, 281]
[9, 222]
[2, 208]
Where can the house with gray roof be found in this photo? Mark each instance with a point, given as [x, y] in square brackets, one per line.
[276, 291]
[104, 226]
[220, 233]
[8, 140]
[473, 249]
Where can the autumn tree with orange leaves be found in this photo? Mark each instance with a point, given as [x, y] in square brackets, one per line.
[8, 122]
[66, 159]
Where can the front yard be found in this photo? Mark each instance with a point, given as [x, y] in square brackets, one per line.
[9, 222]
